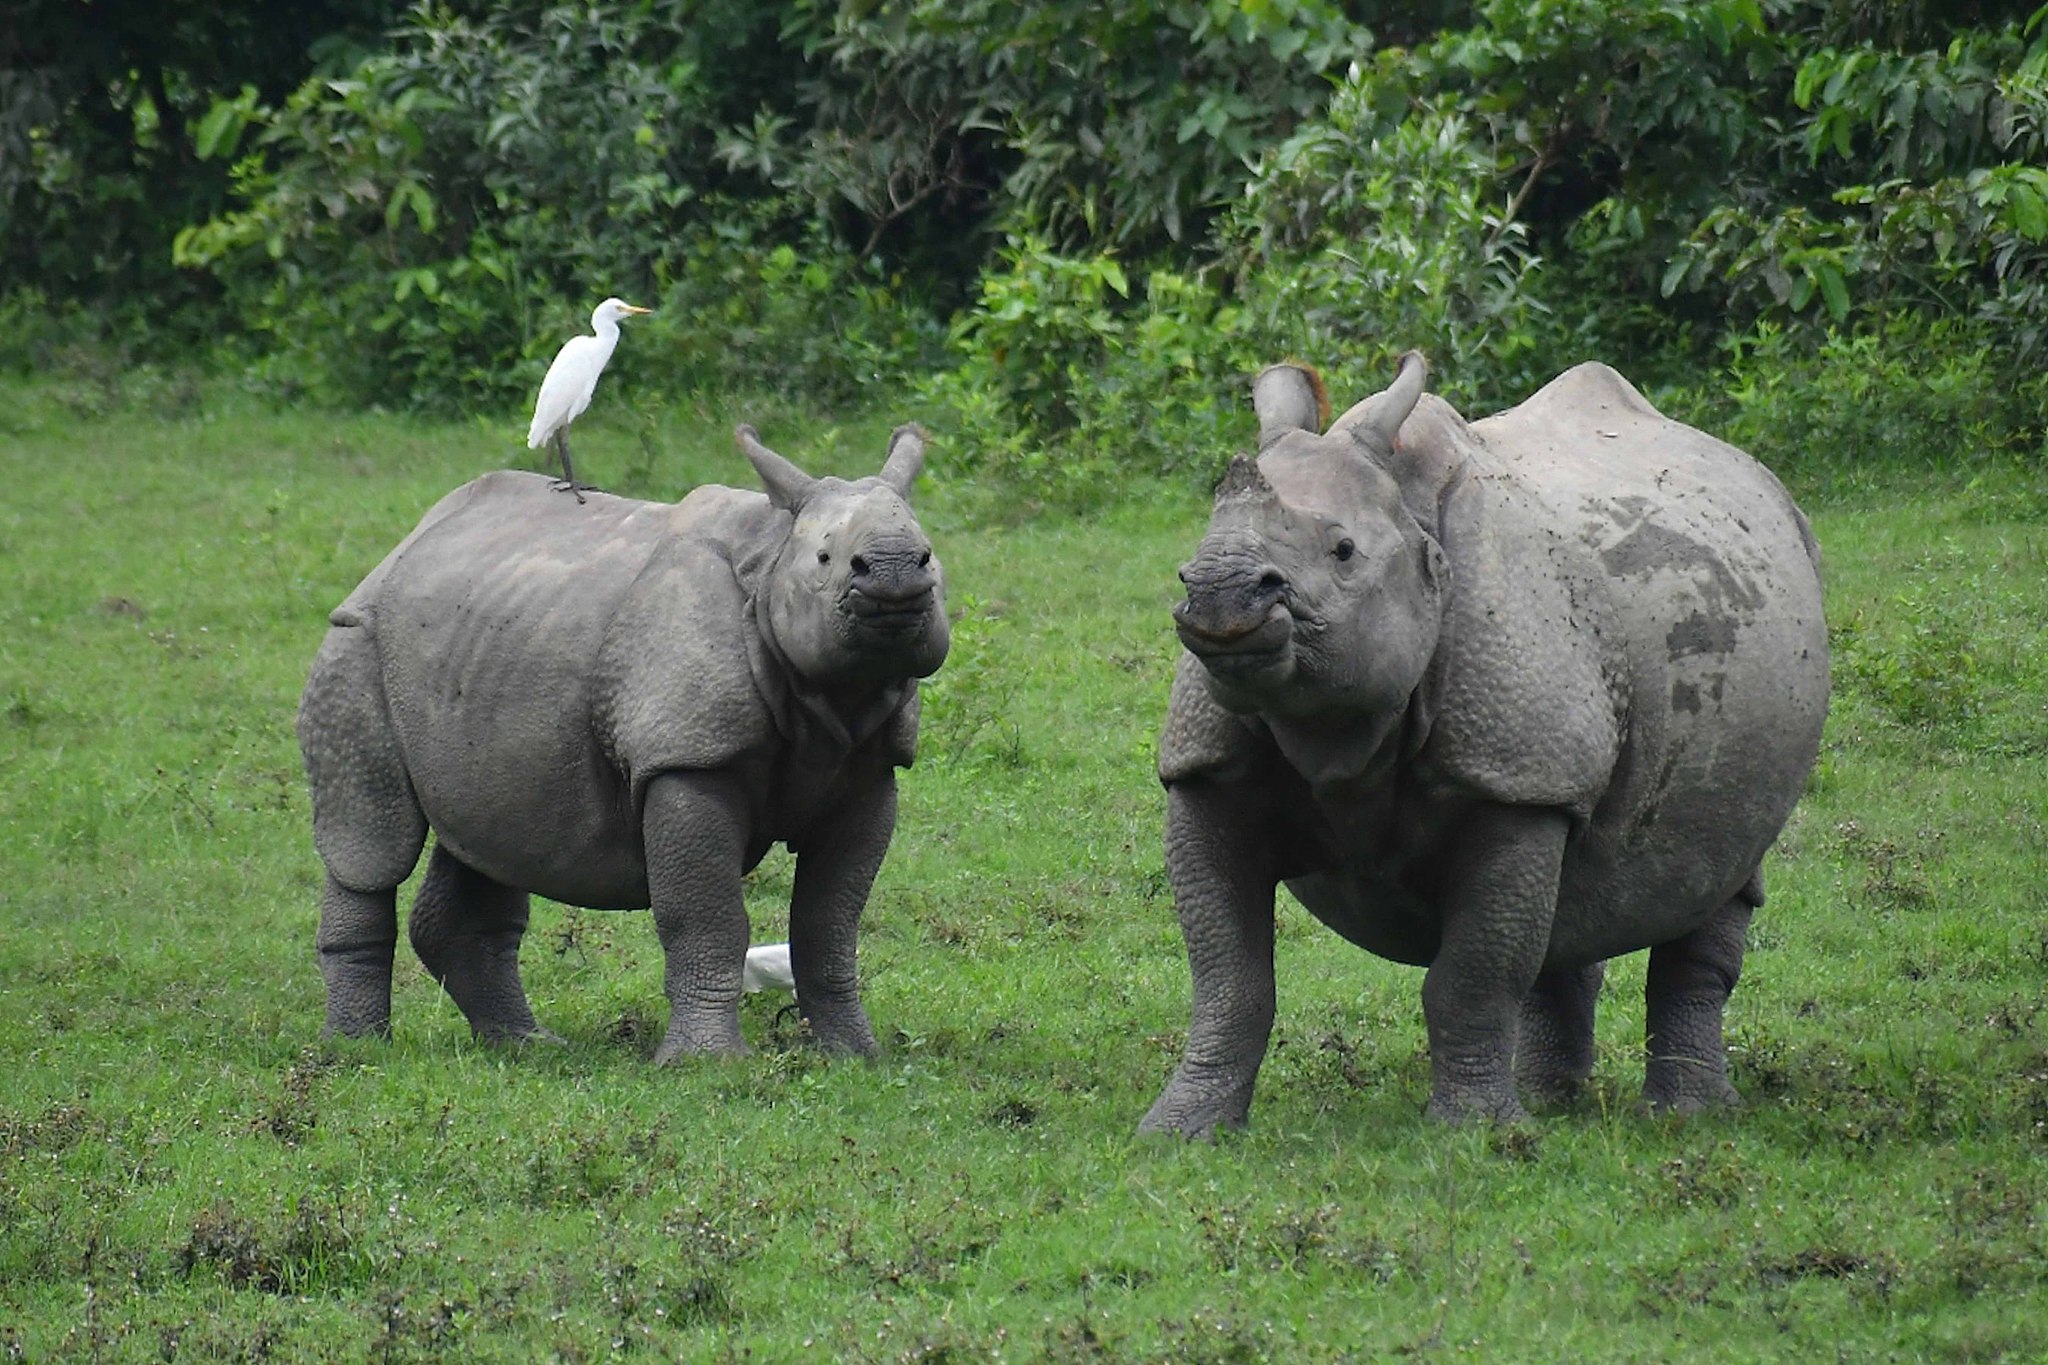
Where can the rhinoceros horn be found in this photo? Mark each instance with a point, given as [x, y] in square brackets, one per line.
[787, 485]
[1373, 421]
[1243, 478]
[906, 458]
[1288, 397]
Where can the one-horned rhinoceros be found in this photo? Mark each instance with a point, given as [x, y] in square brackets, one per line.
[620, 705]
[1503, 699]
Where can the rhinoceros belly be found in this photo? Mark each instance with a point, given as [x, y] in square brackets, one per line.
[1377, 913]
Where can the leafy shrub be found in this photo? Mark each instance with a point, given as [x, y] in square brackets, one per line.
[1924, 673]
[785, 310]
[1355, 240]
[402, 235]
[1358, 239]
[1855, 405]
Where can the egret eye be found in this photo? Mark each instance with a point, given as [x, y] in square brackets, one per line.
[1345, 549]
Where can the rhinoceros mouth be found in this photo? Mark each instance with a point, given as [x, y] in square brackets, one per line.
[890, 613]
[1234, 645]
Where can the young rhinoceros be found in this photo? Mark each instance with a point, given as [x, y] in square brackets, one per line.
[1504, 700]
[620, 705]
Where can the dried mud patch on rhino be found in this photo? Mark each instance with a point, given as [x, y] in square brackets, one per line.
[1650, 546]
[1700, 633]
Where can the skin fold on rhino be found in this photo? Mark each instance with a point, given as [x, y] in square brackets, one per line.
[622, 705]
[1501, 699]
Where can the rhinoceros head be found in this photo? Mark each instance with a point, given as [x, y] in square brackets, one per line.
[855, 598]
[1316, 591]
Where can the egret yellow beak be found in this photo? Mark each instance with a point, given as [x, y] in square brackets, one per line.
[635, 308]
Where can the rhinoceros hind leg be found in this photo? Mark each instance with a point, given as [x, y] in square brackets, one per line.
[1554, 1046]
[358, 931]
[367, 827]
[466, 929]
[1690, 980]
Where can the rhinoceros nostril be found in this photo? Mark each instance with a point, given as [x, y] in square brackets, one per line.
[1271, 581]
[859, 564]
[924, 560]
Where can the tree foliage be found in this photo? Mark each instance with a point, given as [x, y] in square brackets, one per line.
[100, 110]
[1091, 220]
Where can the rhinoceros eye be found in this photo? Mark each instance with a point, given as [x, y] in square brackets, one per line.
[824, 558]
[1345, 549]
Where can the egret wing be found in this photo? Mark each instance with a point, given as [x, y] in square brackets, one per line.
[566, 391]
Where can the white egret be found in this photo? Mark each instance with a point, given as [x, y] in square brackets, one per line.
[767, 966]
[570, 381]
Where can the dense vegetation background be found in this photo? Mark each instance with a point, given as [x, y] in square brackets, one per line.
[1067, 230]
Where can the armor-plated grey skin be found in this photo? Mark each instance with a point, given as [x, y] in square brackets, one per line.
[1503, 699]
[620, 705]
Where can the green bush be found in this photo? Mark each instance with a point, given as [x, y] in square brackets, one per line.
[1856, 406]
[782, 309]
[405, 236]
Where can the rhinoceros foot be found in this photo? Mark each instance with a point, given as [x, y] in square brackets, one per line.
[1459, 1108]
[1190, 1108]
[537, 1035]
[1675, 1086]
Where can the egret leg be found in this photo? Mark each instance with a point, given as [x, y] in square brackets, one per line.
[568, 480]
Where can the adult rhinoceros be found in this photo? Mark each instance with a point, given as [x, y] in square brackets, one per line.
[1503, 699]
[618, 705]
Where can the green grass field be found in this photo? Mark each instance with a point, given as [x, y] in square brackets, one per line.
[187, 1171]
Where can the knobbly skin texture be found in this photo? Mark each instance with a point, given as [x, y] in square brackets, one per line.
[1503, 700]
[622, 705]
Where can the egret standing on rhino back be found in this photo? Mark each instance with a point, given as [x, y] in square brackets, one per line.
[570, 381]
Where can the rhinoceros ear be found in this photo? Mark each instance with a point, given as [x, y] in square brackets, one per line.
[787, 485]
[1288, 397]
[906, 458]
[1374, 421]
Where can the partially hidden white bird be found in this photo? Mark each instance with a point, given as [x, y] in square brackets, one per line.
[570, 381]
[767, 967]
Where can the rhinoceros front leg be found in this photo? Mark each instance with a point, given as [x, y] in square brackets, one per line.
[834, 872]
[1220, 867]
[1687, 992]
[466, 929]
[694, 830]
[1498, 904]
